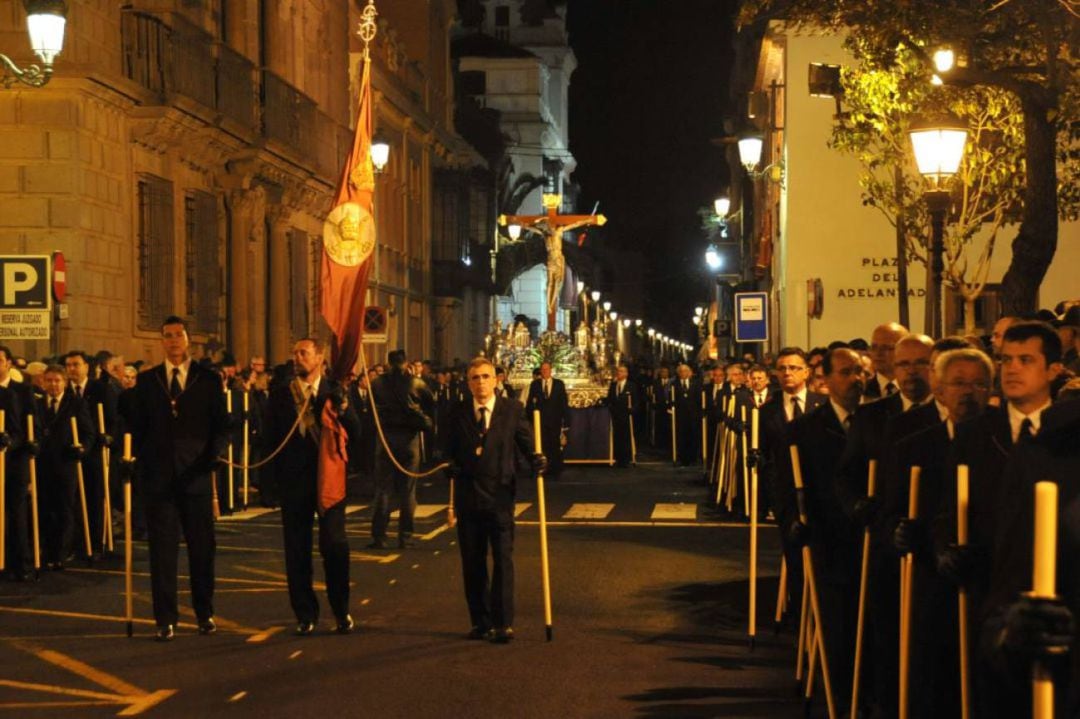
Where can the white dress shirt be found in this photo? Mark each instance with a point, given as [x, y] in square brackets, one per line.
[1016, 418]
[182, 377]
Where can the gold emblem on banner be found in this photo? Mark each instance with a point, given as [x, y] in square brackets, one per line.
[349, 234]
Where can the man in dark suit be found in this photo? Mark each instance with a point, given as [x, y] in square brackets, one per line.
[483, 439]
[869, 438]
[19, 399]
[180, 433]
[793, 401]
[57, 475]
[402, 401]
[622, 402]
[882, 351]
[502, 387]
[548, 395]
[296, 470]
[760, 391]
[686, 393]
[661, 408]
[833, 539]
[715, 394]
[362, 446]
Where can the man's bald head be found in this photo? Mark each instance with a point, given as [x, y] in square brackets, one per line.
[883, 346]
[912, 366]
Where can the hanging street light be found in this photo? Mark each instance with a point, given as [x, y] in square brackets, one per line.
[45, 24]
[939, 148]
[722, 206]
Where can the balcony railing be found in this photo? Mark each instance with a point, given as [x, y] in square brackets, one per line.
[236, 96]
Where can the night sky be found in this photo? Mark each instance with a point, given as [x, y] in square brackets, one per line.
[650, 91]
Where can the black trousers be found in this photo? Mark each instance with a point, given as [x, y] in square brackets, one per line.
[491, 603]
[620, 435]
[551, 440]
[166, 517]
[391, 483]
[688, 436]
[297, 517]
[19, 559]
[57, 498]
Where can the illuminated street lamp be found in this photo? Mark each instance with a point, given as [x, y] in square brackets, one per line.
[613, 315]
[939, 149]
[595, 294]
[514, 232]
[722, 205]
[750, 151]
[380, 152]
[45, 23]
[607, 305]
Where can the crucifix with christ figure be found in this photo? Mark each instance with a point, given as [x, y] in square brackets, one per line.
[552, 225]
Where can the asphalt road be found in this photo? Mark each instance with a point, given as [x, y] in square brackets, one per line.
[650, 620]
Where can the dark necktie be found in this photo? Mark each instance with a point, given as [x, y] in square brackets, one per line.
[174, 386]
[78, 391]
[481, 426]
[890, 389]
[1026, 432]
[796, 410]
[53, 403]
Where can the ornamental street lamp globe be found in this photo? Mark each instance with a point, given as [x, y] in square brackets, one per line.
[722, 205]
[607, 305]
[713, 258]
[750, 151]
[514, 231]
[380, 153]
[45, 22]
[595, 295]
[939, 147]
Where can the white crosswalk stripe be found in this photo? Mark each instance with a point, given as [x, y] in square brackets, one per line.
[598, 510]
[674, 511]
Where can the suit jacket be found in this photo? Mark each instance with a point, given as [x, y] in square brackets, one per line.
[774, 438]
[874, 388]
[910, 442]
[18, 405]
[53, 433]
[506, 392]
[105, 391]
[487, 465]
[866, 441]
[687, 401]
[178, 453]
[621, 404]
[554, 410]
[295, 469]
[821, 439]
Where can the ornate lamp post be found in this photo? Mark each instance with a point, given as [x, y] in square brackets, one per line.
[45, 22]
[939, 148]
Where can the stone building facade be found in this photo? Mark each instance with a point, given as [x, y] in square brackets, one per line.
[185, 153]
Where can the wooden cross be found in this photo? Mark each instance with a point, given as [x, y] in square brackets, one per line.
[552, 225]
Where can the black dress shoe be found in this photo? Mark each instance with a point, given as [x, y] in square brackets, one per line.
[166, 633]
[503, 635]
[207, 626]
[345, 625]
[405, 543]
[480, 633]
[305, 629]
[377, 543]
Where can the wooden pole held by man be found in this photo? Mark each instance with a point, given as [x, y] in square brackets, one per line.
[753, 521]
[544, 570]
[864, 576]
[907, 580]
[229, 455]
[107, 530]
[246, 447]
[34, 519]
[3, 497]
[808, 565]
[128, 463]
[82, 490]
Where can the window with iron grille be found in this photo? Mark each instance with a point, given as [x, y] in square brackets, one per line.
[202, 268]
[299, 285]
[157, 247]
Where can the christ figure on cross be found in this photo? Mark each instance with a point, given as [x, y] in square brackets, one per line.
[552, 225]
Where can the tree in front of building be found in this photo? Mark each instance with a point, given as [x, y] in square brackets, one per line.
[1026, 48]
[879, 103]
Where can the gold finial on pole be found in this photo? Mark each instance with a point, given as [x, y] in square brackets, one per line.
[368, 26]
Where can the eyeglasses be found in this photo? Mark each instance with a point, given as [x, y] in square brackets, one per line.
[917, 364]
[962, 385]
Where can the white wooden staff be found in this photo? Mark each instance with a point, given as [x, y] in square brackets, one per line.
[246, 446]
[745, 469]
[808, 566]
[860, 625]
[962, 495]
[781, 595]
[611, 439]
[229, 454]
[674, 435]
[34, 521]
[715, 455]
[1044, 585]
[545, 575]
[451, 518]
[107, 533]
[82, 489]
[907, 580]
[633, 441]
[732, 456]
[704, 433]
[3, 498]
[804, 627]
[129, 611]
[721, 450]
[753, 521]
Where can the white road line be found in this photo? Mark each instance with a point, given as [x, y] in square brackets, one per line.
[350, 508]
[583, 510]
[423, 511]
[249, 513]
[674, 511]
